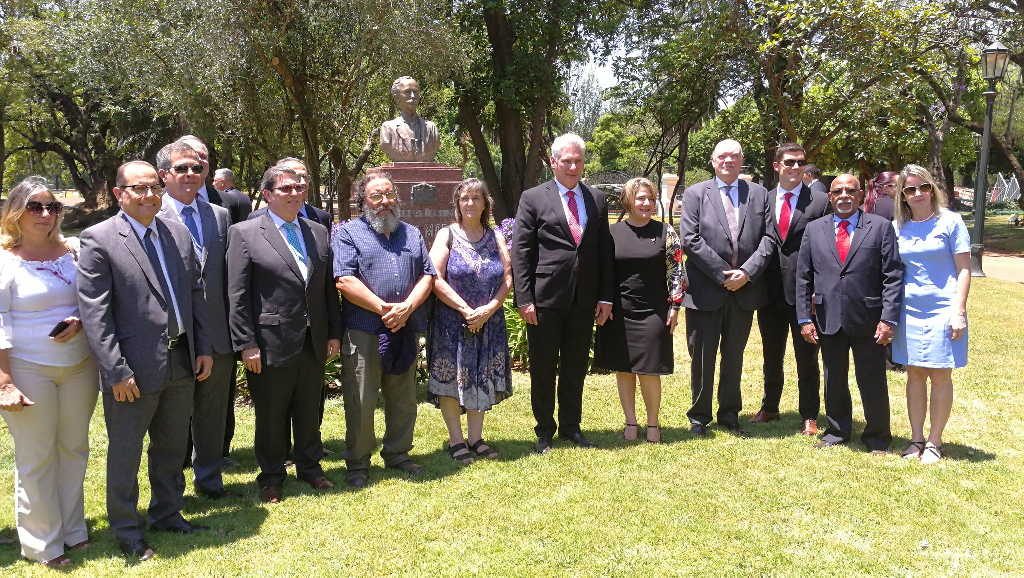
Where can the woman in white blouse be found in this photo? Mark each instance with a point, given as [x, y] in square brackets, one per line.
[48, 381]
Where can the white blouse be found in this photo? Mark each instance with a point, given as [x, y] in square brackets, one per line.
[34, 297]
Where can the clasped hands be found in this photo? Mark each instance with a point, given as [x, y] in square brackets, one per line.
[477, 317]
[735, 279]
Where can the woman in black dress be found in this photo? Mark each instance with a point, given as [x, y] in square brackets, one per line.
[637, 342]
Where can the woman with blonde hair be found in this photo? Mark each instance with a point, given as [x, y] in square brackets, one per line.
[467, 352]
[931, 338]
[636, 342]
[48, 381]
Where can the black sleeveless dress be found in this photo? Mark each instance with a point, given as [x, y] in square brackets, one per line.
[637, 340]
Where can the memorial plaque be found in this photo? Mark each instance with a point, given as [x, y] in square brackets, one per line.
[424, 194]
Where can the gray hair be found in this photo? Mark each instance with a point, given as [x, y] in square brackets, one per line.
[566, 140]
[398, 82]
[727, 144]
[169, 151]
[195, 143]
[366, 180]
[271, 175]
[289, 160]
[226, 174]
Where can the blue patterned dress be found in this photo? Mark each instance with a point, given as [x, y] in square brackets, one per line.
[472, 368]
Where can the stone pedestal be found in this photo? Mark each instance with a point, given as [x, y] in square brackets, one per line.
[425, 191]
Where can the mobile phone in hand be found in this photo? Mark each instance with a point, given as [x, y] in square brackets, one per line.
[58, 328]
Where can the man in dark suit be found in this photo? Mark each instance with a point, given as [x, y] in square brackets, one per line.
[562, 271]
[235, 201]
[140, 294]
[793, 205]
[850, 269]
[724, 230]
[307, 211]
[812, 178]
[285, 321]
[208, 225]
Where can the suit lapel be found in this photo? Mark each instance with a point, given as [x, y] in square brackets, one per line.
[172, 260]
[273, 236]
[208, 223]
[802, 200]
[742, 197]
[714, 197]
[591, 206]
[556, 196]
[312, 252]
[860, 231]
[138, 252]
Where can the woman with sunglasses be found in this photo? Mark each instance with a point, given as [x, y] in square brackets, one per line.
[931, 338]
[48, 380]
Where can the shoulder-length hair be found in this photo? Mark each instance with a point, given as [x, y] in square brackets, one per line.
[470, 186]
[902, 209]
[10, 229]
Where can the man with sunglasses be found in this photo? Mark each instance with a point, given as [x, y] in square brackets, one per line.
[140, 293]
[206, 193]
[793, 206]
[285, 321]
[850, 269]
[181, 171]
[306, 211]
[383, 270]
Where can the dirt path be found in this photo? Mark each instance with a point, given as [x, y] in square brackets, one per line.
[1004, 267]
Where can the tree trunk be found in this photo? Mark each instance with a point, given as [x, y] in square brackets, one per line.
[681, 161]
[469, 118]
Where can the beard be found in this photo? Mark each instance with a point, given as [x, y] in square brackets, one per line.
[383, 221]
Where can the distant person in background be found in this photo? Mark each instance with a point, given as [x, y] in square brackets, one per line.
[931, 337]
[812, 178]
[48, 380]
[880, 195]
[636, 342]
[467, 352]
[235, 201]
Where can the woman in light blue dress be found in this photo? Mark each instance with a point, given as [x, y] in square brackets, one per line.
[931, 338]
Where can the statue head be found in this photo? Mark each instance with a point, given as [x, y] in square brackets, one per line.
[406, 92]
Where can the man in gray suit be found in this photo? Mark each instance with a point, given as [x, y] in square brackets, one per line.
[208, 225]
[140, 294]
[723, 228]
[286, 322]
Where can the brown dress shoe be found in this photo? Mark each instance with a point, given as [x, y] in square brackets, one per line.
[763, 416]
[320, 483]
[270, 494]
[810, 427]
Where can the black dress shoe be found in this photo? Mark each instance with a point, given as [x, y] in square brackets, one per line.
[179, 526]
[543, 445]
[699, 430]
[829, 440]
[138, 548]
[357, 479]
[736, 430]
[217, 494]
[578, 439]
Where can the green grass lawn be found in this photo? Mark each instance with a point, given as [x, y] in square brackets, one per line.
[771, 504]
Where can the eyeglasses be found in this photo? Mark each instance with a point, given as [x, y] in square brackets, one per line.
[144, 189]
[184, 169]
[923, 187]
[36, 208]
[794, 163]
[844, 191]
[378, 197]
[289, 189]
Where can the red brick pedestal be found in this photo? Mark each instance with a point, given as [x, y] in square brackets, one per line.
[425, 190]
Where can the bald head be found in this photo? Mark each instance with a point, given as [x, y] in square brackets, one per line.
[727, 160]
[846, 195]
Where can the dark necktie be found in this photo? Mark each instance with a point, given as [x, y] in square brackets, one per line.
[154, 259]
[843, 240]
[784, 217]
[187, 215]
[574, 217]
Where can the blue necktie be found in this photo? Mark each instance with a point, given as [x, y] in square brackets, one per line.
[190, 222]
[154, 259]
[291, 232]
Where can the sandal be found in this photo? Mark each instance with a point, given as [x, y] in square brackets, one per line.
[931, 454]
[636, 432]
[483, 450]
[460, 454]
[913, 451]
[656, 429]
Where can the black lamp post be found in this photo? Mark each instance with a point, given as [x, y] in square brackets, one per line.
[993, 62]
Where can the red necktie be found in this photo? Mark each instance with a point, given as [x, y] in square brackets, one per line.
[574, 217]
[843, 240]
[784, 217]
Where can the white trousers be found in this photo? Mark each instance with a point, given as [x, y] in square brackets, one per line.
[51, 449]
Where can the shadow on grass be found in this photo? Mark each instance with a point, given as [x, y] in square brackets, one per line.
[950, 451]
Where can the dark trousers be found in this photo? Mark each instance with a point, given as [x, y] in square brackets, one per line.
[775, 321]
[728, 326]
[208, 422]
[163, 414]
[229, 423]
[869, 367]
[559, 346]
[279, 393]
